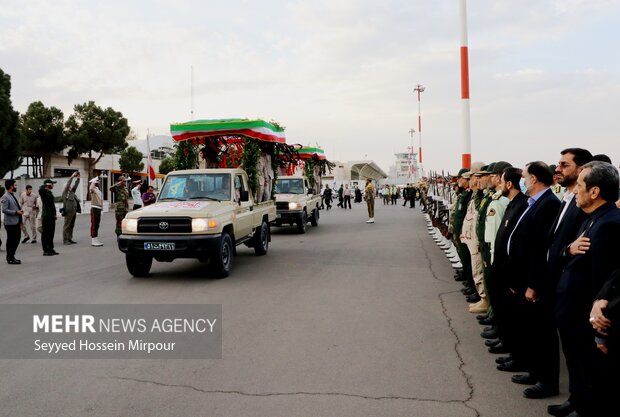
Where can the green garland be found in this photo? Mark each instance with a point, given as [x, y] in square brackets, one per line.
[309, 172]
[186, 156]
[251, 154]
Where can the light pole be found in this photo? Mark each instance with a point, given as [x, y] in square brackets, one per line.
[411, 172]
[419, 89]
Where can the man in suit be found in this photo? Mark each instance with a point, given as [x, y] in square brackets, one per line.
[499, 291]
[592, 258]
[563, 232]
[536, 341]
[12, 221]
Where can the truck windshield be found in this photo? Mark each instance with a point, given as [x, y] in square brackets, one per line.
[290, 186]
[196, 187]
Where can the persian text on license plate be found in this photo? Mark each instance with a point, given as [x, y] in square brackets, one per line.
[158, 246]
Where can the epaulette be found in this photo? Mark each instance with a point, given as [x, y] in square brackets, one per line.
[497, 195]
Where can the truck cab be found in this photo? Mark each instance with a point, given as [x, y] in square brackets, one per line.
[202, 214]
[296, 203]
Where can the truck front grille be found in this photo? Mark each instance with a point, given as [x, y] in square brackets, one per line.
[165, 225]
[281, 205]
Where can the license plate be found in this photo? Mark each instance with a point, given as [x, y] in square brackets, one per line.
[158, 246]
[278, 216]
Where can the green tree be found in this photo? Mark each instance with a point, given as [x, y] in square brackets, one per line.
[43, 130]
[131, 160]
[10, 135]
[94, 129]
[167, 165]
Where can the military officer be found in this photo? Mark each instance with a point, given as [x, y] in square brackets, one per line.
[122, 203]
[457, 217]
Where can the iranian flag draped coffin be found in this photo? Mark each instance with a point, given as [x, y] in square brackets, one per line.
[256, 129]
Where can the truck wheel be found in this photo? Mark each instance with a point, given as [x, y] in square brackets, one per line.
[222, 259]
[314, 219]
[302, 224]
[138, 266]
[261, 239]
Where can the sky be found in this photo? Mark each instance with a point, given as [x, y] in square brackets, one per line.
[544, 74]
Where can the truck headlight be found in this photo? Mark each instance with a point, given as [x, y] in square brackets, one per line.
[294, 206]
[130, 226]
[202, 225]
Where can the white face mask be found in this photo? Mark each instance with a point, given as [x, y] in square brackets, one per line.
[522, 186]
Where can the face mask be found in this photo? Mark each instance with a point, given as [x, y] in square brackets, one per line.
[522, 185]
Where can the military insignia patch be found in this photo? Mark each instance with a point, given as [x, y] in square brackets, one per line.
[491, 212]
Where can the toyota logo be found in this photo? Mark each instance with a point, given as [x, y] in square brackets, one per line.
[163, 225]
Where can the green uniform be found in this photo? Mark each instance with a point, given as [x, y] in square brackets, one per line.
[457, 227]
[121, 207]
[495, 214]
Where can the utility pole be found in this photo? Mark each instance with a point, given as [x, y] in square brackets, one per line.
[192, 92]
[419, 89]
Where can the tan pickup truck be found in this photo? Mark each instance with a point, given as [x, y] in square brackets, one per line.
[202, 214]
[296, 203]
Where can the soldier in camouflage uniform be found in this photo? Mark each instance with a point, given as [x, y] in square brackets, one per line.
[121, 206]
[485, 251]
[458, 214]
[478, 303]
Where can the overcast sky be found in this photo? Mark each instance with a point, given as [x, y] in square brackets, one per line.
[544, 74]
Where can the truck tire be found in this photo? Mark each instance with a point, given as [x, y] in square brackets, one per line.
[261, 239]
[222, 259]
[314, 219]
[138, 266]
[302, 224]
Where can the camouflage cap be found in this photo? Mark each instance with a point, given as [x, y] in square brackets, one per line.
[483, 171]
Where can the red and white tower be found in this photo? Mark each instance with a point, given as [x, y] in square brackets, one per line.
[419, 89]
[466, 156]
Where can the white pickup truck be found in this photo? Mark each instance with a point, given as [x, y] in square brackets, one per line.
[296, 203]
[202, 214]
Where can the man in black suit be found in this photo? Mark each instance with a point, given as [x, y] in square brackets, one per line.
[592, 258]
[499, 292]
[563, 232]
[536, 340]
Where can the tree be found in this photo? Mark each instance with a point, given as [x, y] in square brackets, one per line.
[93, 129]
[43, 130]
[167, 165]
[10, 135]
[131, 160]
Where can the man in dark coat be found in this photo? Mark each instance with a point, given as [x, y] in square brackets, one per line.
[48, 217]
[563, 232]
[537, 342]
[592, 258]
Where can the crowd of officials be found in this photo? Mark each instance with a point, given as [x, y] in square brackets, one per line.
[29, 212]
[540, 255]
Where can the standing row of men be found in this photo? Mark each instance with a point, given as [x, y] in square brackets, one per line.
[39, 211]
[537, 266]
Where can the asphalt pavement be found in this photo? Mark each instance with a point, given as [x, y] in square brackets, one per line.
[349, 319]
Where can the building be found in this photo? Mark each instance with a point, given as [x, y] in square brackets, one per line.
[405, 169]
[354, 173]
